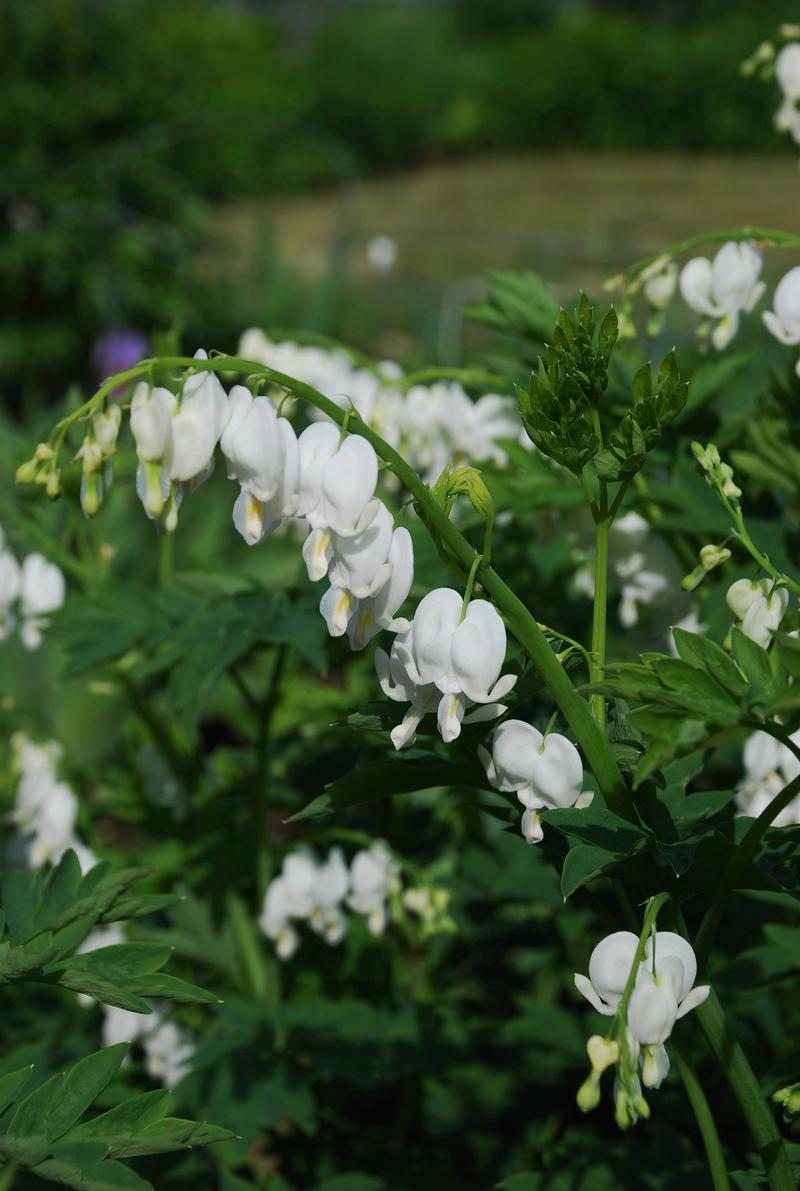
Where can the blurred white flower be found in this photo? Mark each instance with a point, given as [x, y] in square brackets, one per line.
[42, 590]
[197, 426]
[382, 253]
[768, 766]
[374, 878]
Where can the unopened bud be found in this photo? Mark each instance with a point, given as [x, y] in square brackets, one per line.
[53, 484]
[43, 452]
[26, 472]
[712, 556]
[588, 1096]
[91, 493]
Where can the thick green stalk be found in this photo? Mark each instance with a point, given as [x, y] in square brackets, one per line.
[747, 1091]
[599, 615]
[704, 1117]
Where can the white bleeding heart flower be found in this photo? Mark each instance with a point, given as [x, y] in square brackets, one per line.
[543, 771]
[151, 423]
[374, 878]
[373, 613]
[360, 562]
[764, 616]
[769, 765]
[197, 426]
[724, 288]
[460, 658]
[787, 70]
[743, 594]
[42, 590]
[783, 321]
[660, 284]
[333, 883]
[262, 454]
[253, 443]
[54, 826]
[168, 1050]
[275, 920]
[609, 969]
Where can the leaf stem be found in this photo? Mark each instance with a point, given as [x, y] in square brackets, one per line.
[747, 1091]
[599, 615]
[704, 1117]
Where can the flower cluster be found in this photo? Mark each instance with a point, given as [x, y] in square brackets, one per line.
[29, 594]
[446, 660]
[45, 808]
[168, 1048]
[768, 766]
[317, 892]
[759, 607]
[646, 992]
[545, 772]
[428, 424]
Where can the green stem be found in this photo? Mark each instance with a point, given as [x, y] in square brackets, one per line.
[741, 857]
[743, 536]
[599, 614]
[748, 1093]
[703, 1116]
[770, 237]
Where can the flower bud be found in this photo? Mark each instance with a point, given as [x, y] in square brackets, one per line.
[713, 556]
[53, 484]
[588, 1096]
[26, 472]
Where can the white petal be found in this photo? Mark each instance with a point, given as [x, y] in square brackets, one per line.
[587, 989]
[693, 999]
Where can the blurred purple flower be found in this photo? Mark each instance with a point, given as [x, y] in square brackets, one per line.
[118, 350]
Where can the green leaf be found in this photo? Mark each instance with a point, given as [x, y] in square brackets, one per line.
[598, 826]
[582, 863]
[119, 962]
[701, 652]
[388, 779]
[59, 1102]
[11, 1085]
[752, 658]
[124, 1120]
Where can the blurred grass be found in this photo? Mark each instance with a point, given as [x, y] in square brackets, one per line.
[574, 218]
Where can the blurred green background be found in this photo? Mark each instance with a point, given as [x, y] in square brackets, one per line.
[210, 165]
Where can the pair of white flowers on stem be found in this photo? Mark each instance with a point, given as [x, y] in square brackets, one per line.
[769, 765]
[787, 72]
[662, 992]
[729, 286]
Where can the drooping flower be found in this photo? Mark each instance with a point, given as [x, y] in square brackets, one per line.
[460, 658]
[197, 426]
[151, 424]
[262, 454]
[42, 590]
[759, 606]
[337, 490]
[723, 289]
[784, 320]
[787, 72]
[9, 591]
[370, 614]
[374, 878]
[543, 771]
[769, 765]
